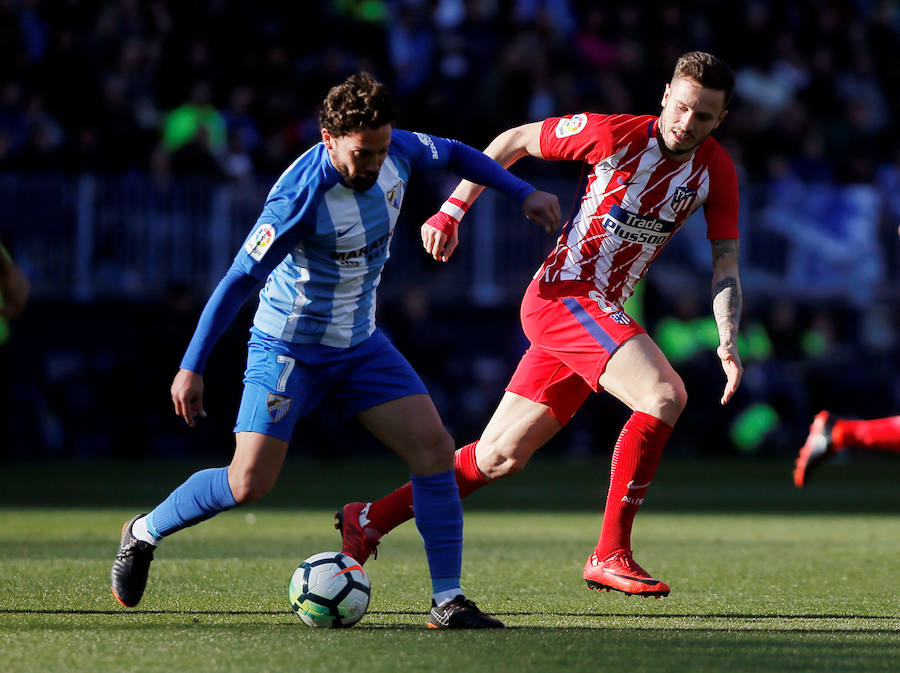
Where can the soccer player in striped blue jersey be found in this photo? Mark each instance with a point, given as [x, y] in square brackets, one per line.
[320, 245]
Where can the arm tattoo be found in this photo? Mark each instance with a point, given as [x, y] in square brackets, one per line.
[722, 248]
[727, 308]
[726, 290]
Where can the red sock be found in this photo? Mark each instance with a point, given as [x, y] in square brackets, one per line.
[634, 462]
[468, 477]
[880, 434]
[395, 508]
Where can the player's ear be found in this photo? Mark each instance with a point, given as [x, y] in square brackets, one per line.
[327, 139]
[666, 94]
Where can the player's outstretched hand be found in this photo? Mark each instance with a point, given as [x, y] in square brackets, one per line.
[543, 208]
[439, 236]
[731, 364]
[187, 394]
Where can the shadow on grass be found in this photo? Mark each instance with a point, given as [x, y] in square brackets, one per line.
[667, 615]
[798, 618]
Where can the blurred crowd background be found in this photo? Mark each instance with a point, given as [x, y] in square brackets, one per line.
[138, 139]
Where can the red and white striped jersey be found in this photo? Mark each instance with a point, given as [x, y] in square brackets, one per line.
[634, 199]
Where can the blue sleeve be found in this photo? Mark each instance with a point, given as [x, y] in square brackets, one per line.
[478, 167]
[426, 151]
[220, 310]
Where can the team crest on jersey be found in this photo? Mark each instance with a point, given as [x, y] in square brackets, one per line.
[571, 126]
[394, 195]
[610, 309]
[683, 199]
[278, 406]
[257, 245]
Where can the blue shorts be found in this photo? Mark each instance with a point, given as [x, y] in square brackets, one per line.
[284, 381]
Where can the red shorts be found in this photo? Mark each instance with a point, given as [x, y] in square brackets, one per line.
[572, 338]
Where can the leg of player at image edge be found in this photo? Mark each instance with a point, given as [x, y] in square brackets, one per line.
[829, 435]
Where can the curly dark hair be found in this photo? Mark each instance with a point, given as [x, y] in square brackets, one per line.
[359, 102]
[707, 70]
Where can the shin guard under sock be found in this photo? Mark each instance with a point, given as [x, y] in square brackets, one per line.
[634, 461]
[202, 496]
[440, 522]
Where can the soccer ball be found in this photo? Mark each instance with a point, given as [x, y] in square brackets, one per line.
[329, 589]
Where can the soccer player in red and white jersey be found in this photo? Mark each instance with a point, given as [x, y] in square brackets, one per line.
[643, 177]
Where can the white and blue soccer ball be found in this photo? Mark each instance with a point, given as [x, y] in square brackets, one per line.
[330, 590]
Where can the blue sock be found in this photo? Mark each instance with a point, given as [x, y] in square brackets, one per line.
[440, 522]
[203, 495]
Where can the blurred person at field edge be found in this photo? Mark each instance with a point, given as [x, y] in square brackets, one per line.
[829, 435]
[183, 124]
[14, 286]
[320, 245]
[14, 292]
[644, 176]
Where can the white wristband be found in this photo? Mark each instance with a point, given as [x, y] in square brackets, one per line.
[453, 210]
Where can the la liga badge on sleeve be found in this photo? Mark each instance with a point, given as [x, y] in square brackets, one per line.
[570, 126]
[261, 240]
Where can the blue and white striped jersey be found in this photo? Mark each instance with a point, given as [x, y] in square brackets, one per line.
[321, 246]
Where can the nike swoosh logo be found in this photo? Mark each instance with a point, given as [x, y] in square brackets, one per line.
[347, 570]
[621, 182]
[631, 484]
[649, 582]
[344, 232]
[364, 515]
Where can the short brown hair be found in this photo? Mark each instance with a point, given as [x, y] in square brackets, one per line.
[707, 70]
[359, 102]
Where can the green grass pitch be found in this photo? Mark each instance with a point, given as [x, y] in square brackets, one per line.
[764, 577]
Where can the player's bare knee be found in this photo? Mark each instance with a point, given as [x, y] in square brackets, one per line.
[509, 466]
[434, 455]
[499, 461]
[680, 396]
[671, 399]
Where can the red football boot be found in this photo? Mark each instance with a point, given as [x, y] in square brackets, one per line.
[620, 572]
[818, 447]
[358, 540]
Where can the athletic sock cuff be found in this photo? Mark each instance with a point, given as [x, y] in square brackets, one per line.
[465, 463]
[438, 480]
[651, 426]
